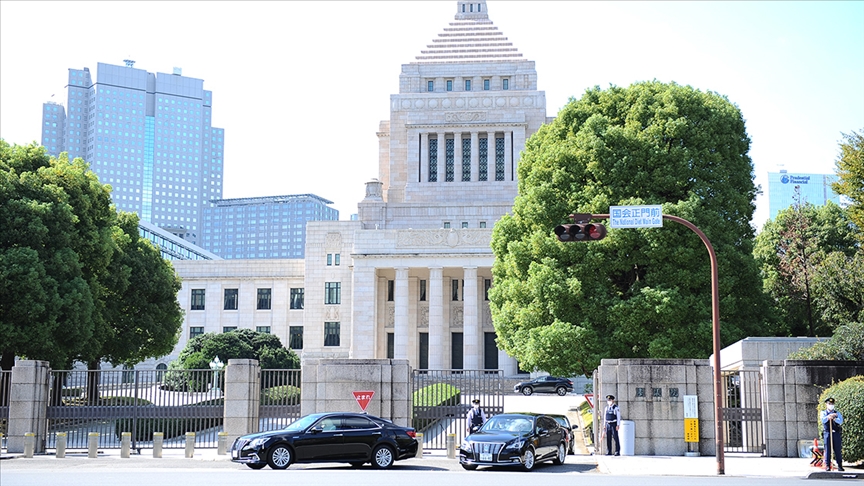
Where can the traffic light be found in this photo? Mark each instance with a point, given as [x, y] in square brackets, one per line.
[580, 232]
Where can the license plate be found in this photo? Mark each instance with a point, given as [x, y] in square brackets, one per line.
[485, 457]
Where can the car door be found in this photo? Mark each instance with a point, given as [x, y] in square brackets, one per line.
[548, 436]
[321, 442]
[546, 384]
[360, 437]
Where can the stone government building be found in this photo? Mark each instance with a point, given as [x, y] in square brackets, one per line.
[409, 278]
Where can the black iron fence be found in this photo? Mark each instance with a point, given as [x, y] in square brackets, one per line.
[141, 402]
[442, 399]
[5, 387]
[742, 411]
[280, 399]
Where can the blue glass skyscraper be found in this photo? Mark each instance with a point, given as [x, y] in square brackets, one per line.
[148, 135]
[812, 188]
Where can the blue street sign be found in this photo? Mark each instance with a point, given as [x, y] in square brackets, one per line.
[636, 216]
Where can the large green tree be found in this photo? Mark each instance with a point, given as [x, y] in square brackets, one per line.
[237, 344]
[562, 307]
[850, 170]
[790, 250]
[56, 223]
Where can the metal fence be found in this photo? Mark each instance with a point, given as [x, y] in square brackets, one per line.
[742, 412]
[5, 387]
[138, 401]
[442, 399]
[280, 399]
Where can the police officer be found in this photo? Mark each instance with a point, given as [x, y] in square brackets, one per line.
[476, 417]
[832, 433]
[611, 423]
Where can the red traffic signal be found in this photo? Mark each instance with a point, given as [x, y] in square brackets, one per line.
[580, 232]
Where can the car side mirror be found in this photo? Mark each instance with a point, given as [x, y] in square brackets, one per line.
[316, 430]
[542, 431]
[574, 427]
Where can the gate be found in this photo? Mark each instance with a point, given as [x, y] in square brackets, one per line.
[280, 399]
[742, 411]
[5, 386]
[442, 399]
[138, 401]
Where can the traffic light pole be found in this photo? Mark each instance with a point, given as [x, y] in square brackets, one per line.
[715, 321]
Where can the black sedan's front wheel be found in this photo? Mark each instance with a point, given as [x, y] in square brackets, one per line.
[527, 391]
[561, 391]
[279, 457]
[528, 460]
[382, 457]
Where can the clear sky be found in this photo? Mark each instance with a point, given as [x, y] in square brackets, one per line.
[300, 87]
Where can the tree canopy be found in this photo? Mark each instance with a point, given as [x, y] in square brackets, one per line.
[847, 344]
[561, 307]
[850, 171]
[237, 344]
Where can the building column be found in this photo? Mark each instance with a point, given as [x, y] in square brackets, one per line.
[400, 324]
[364, 321]
[424, 157]
[457, 157]
[475, 156]
[436, 318]
[518, 146]
[508, 156]
[442, 159]
[470, 324]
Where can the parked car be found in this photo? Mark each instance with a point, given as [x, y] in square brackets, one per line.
[354, 438]
[516, 440]
[563, 421]
[545, 384]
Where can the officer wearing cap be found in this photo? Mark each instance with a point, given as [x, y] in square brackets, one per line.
[832, 433]
[611, 423]
[476, 417]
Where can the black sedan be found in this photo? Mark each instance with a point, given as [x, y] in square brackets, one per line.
[515, 439]
[545, 384]
[354, 438]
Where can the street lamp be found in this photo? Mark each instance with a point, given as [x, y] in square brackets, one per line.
[216, 365]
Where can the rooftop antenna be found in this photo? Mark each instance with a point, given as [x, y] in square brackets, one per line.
[129, 62]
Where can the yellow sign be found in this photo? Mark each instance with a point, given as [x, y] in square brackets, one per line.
[691, 430]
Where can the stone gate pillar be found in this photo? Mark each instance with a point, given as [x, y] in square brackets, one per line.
[242, 397]
[28, 404]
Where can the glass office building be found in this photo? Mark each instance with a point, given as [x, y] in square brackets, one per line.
[263, 227]
[813, 188]
[148, 135]
[172, 247]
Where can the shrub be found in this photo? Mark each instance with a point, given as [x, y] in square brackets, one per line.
[847, 343]
[438, 394]
[849, 398]
[281, 395]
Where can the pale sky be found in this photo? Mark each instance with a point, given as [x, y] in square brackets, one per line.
[300, 87]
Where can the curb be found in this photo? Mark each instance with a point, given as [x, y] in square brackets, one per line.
[835, 475]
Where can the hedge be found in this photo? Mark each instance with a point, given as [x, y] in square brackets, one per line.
[849, 401]
[280, 395]
[436, 395]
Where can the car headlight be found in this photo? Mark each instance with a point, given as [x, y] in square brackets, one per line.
[515, 445]
[256, 443]
[465, 446]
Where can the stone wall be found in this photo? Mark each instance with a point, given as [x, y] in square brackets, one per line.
[650, 392]
[328, 385]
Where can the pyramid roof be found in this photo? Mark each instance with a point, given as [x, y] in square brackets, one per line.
[471, 37]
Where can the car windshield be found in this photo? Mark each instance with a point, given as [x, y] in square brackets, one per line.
[302, 423]
[505, 423]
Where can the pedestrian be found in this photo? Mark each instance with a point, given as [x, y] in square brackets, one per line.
[611, 423]
[476, 416]
[832, 434]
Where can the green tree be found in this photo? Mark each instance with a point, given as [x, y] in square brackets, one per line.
[790, 251]
[850, 171]
[562, 307]
[56, 223]
[839, 287]
[238, 344]
[847, 344]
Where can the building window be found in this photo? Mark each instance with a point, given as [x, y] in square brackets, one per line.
[264, 299]
[430, 86]
[449, 85]
[464, 224]
[485, 85]
[229, 328]
[467, 85]
[197, 299]
[332, 292]
[455, 294]
[336, 259]
[487, 284]
[329, 259]
[331, 334]
[422, 291]
[499, 158]
[390, 290]
[296, 298]
[230, 299]
[446, 224]
[482, 224]
[264, 329]
[433, 160]
[466, 159]
[391, 345]
[505, 84]
[483, 156]
[449, 155]
[195, 331]
[295, 337]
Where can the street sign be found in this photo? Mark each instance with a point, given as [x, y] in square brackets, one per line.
[691, 418]
[363, 398]
[636, 216]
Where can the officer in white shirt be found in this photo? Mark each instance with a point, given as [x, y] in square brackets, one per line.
[611, 423]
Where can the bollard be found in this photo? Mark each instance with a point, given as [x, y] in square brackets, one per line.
[29, 444]
[451, 446]
[1, 442]
[125, 444]
[61, 444]
[419, 438]
[222, 447]
[157, 444]
[92, 445]
[190, 444]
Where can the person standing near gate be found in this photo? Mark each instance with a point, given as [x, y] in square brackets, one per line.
[832, 434]
[476, 417]
[611, 424]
